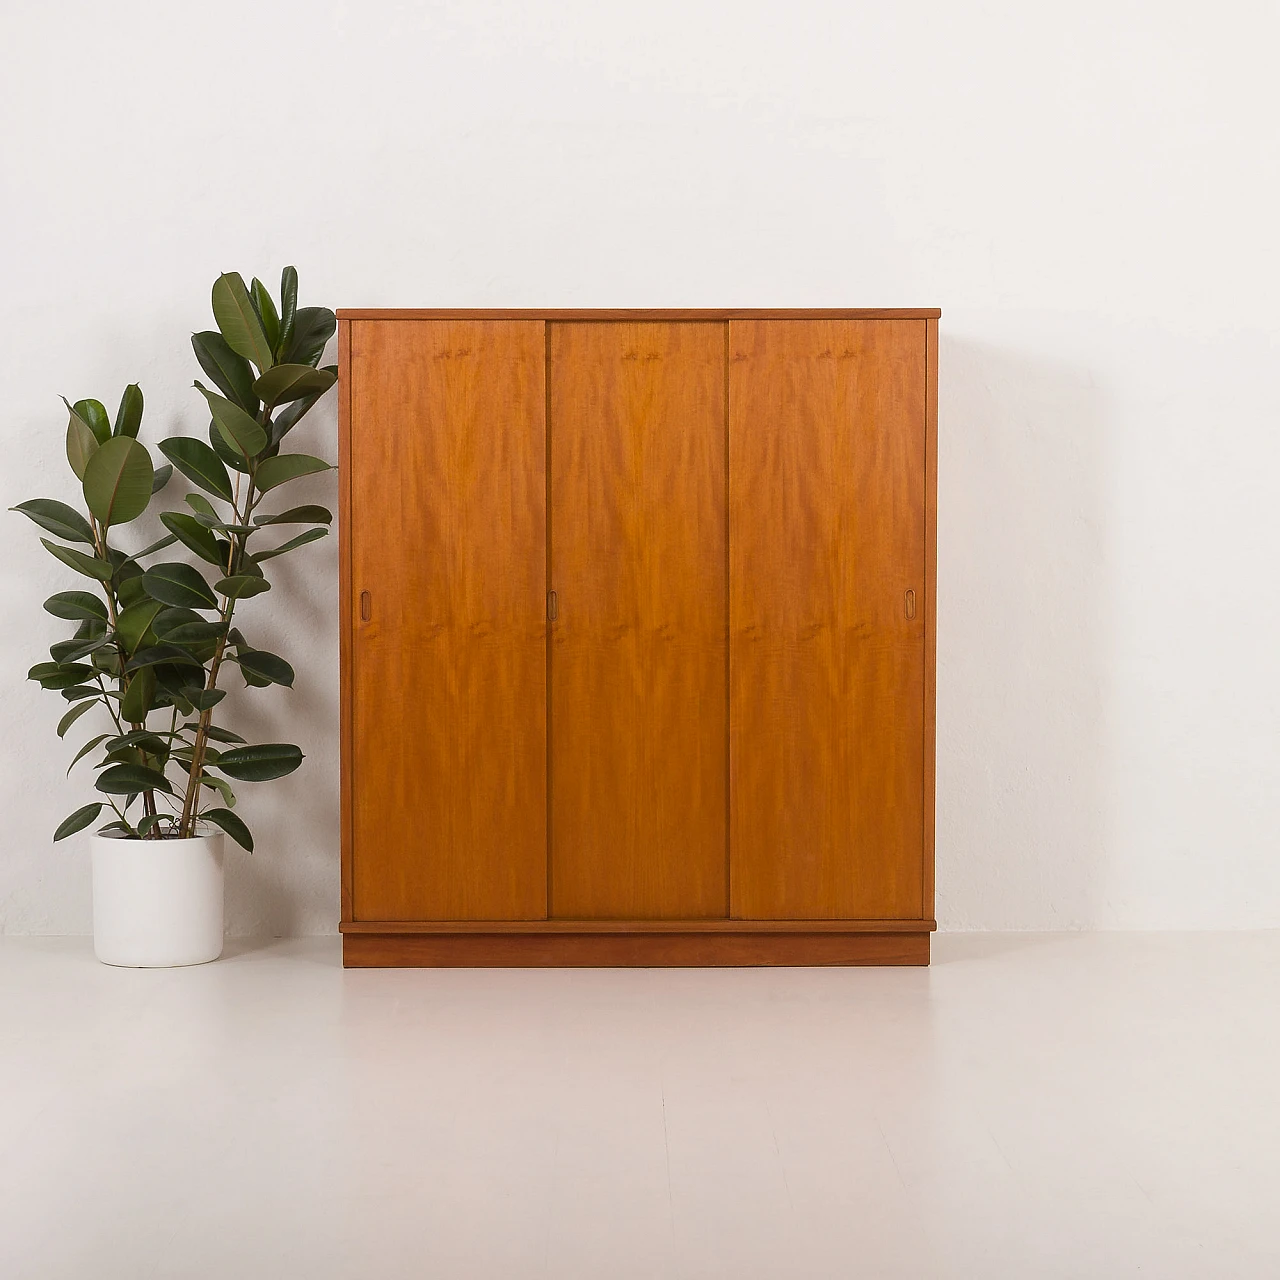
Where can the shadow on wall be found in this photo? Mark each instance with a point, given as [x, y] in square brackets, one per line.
[1021, 647]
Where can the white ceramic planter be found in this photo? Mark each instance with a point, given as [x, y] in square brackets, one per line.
[157, 903]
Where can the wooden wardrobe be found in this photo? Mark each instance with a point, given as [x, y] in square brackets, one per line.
[637, 636]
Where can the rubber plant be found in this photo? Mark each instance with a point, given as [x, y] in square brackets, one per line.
[154, 642]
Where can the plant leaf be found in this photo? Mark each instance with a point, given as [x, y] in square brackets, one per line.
[129, 779]
[231, 457]
[214, 732]
[82, 444]
[311, 535]
[59, 519]
[133, 623]
[241, 586]
[198, 462]
[291, 414]
[230, 372]
[162, 476]
[189, 531]
[94, 413]
[260, 763]
[232, 825]
[88, 746]
[117, 481]
[312, 329]
[266, 310]
[73, 650]
[288, 308]
[287, 466]
[238, 320]
[72, 716]
[90, 566]
[139, 696]
[298, 515]
[220, 785]
[155, 654]
[292, 382]
[77, 821]
[204, 699]
[238, 429]
[129, 414]
[74, 605]
[180, 585]
[60, 675]
[271, 667]
[201, 506]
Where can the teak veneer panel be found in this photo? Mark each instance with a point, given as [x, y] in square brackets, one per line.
[638, 646]
[448, 560]
[559, 949]
[827, 519]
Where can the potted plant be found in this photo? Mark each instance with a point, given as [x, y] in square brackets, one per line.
[154, 638]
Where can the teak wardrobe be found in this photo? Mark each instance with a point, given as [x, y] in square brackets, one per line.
[637, 636]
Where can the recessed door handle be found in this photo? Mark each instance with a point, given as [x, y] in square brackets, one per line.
[910, 602]
[553, 606]
[366, 606]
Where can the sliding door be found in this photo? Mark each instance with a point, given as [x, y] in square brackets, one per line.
[827, 578]
[448, 573]
[638, 646]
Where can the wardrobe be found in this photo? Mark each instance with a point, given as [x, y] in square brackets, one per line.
[637, 636]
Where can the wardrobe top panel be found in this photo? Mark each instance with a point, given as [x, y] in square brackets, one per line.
[639, 313]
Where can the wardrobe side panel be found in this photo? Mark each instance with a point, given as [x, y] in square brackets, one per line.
[447, 600]
[827, 648]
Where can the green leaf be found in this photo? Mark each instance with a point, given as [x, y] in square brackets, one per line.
[117, 481]
[269, 666]
[139, 696]
[88, 746]
[72, 716]
[59, 675]
[152, 743]
[132, 561]
[291, 414]
[231, 457]
[130, 779]
[82, 444]
[129, 415]
[287, 466]
[231, 373]
[59, 519]
[94, 413]
[152, 820]
[194, 535]
[231, 824]
[129, 586]
[235, 315]
[166, 653]
[260, 763]
[292, 382]
[78, 692]
[238, 429]
[241, 586]
[162, 476]
[206, 699]
[198, 462]
[288, 308]
[77, 821]
[201, 506]
[312, 329]
[180, 585]
[74, 650]
[222, 786]
[74, 605]
[194, 634]
[266, 310]
[215, 733]
[302, 539]
[90, 566]
[133, 623]
[298, 515]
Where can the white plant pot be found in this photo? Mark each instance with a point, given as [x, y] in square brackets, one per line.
[157, 903]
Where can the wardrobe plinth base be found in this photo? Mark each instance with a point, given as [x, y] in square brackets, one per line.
[567, 947]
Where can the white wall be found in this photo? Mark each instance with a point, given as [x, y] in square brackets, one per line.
[1088, 190]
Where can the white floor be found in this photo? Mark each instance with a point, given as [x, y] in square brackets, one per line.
[1032, 1106]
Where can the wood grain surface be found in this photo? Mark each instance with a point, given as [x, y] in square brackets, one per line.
[639, 645]
[827, 693]
[745, 948]
[634, 314]
[448, 485]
